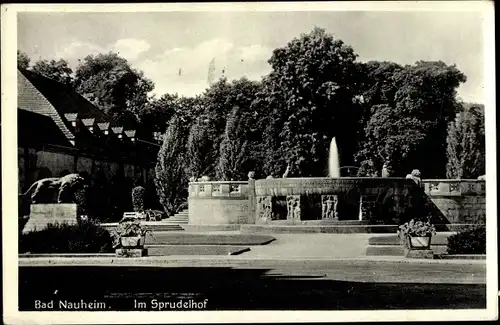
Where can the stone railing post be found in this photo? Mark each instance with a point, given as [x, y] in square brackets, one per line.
[252, 202]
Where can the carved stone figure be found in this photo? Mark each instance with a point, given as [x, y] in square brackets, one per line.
[270, 177]
[67, 185]
[293, 207]
[264, 206]
[329, 207]
[287, 171]
[415, 176]
[192, 179]
[251, 175]
[385, 170]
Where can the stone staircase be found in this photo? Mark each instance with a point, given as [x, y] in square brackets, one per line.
[180, 218]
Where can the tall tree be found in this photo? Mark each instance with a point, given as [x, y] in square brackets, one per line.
[312, 87]
[110, 82]
[218, 101]
[57, 70]
[412, 125]
[23, 60]
[233, 149]
[201, 159]
[466, 144]
[170, 179]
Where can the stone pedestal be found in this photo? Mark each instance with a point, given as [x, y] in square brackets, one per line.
[419, 253]
[329, 205]
[131, 252]
[50, 213]
[293, 208]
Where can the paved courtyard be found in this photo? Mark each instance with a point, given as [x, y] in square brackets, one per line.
[313, 246]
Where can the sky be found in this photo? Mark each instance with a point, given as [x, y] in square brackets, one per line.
[174, 49]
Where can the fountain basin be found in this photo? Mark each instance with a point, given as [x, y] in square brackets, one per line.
[327, 185]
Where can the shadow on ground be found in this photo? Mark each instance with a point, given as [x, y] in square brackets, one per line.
[234, 289]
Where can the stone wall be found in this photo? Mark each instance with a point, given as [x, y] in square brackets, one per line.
[384, 200]
[458, 201]
[110, 182]
[212, 203]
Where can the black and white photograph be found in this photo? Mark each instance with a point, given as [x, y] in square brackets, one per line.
[249, 162]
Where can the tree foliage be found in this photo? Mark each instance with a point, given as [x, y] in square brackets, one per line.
[378, 111]
[311, 91]
[420, 100]
[201, 159]
[23, 60]
[466, 144]
[57, 70]
[233, 149]
[171, 180]
[110, 82]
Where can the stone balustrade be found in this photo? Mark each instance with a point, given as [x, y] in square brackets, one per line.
[454, 187]
[216, 203]
[459, 200]
[214, 189]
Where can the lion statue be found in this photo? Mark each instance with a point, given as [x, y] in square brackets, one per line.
[67, 185]
[415, 176]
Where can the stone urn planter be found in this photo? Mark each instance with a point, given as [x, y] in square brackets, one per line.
[129, 238]
[420, 242]
[133, 242]
[415, 236]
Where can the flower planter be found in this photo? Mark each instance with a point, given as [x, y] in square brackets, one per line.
[419, 242]
[133, 242]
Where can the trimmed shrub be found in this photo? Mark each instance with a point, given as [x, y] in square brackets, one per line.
[84, 237]
[138, 197]
[182, 206]
[469, 241]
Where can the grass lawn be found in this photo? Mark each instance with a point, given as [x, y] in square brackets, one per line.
[179, 238]
[168, 250]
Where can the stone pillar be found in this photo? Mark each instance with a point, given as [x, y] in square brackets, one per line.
[362, 208]
[329, 205]
[293, 208]
[264, 209]
[252, 202]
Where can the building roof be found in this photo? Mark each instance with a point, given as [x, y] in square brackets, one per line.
[63, 98]
[37, 129]
[31, 99]
[71, 113]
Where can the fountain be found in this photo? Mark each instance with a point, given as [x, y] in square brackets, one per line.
[333, 162]
[347, 200]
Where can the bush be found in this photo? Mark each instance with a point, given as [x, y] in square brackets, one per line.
[138, 195]
[83, 237]
[183, 206]
[469, 241]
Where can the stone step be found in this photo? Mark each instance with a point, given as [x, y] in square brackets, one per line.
[393, 250]
[175, 220]
[169, 250]
[154, 227]
[196, 239]
[304, 229]
[393, 240]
